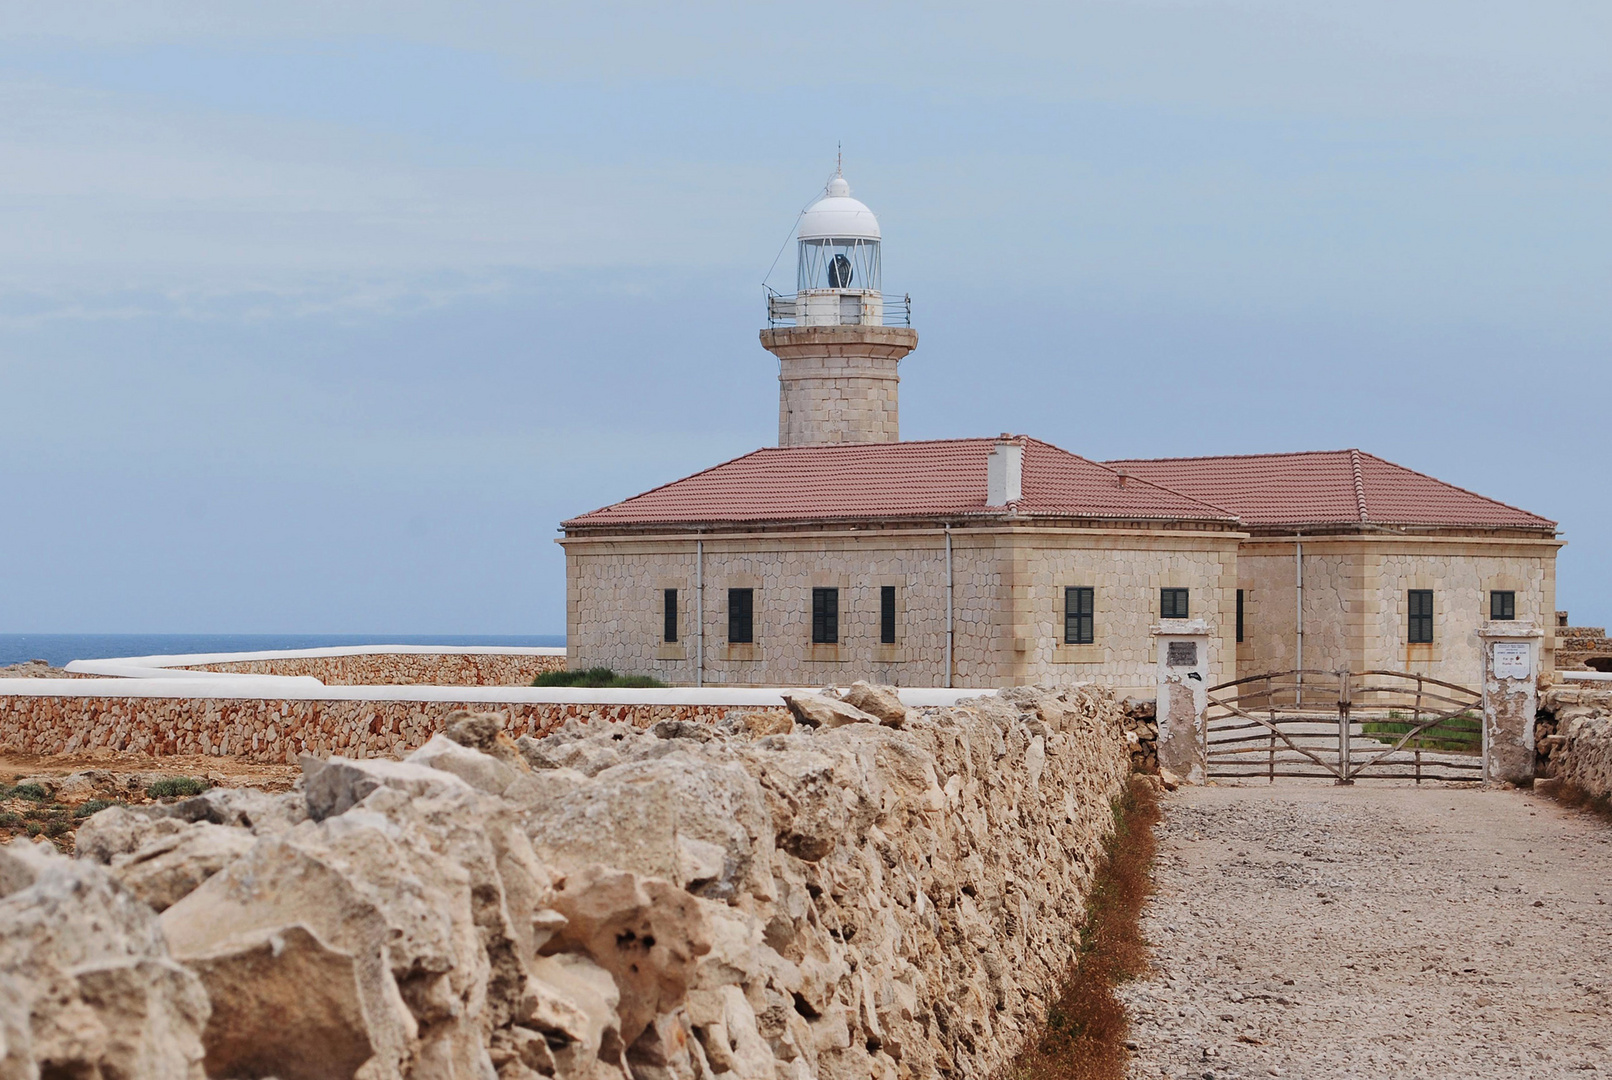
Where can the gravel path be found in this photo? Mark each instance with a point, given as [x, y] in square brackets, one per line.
[1376, 930]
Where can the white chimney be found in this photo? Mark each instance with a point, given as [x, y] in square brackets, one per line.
[1004, 472]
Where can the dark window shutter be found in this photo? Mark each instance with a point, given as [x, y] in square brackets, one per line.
[741, 616]
[1239, 614]
[1421, 616]
[887, 614]
[825, 616]
[669, 630]
[1502, 605]
[1078, 625]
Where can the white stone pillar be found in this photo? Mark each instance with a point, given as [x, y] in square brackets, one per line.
[1182, 651]
[1510, 699]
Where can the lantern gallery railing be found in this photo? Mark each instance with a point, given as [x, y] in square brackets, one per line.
[852, 308]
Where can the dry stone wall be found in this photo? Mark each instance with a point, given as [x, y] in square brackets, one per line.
[877, 899]
[1574, 736]
[401, 669]
[270, 731]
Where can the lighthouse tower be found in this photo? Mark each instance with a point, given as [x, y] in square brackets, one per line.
[837, 357]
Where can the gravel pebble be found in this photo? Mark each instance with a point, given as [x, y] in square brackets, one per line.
[1380, 929]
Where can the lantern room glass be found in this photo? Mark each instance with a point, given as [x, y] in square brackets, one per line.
[838, 264]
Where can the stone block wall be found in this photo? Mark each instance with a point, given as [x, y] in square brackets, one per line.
[855, 902]
[401, 669]
[1574, 736]
[270, 731]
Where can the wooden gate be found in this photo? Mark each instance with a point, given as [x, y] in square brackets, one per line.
[1344, 725]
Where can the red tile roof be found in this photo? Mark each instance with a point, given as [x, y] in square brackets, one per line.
[1328, 487]
[942, 478]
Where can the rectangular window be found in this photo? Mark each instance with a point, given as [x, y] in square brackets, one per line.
[1239, 615]
[741, 616]
[1421, 616]
[669, 630]
[887, 615]
[1173, 604]
[825, 616]
[1503, 605]
[1077, 616]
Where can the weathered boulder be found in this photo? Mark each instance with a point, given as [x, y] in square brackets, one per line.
[646, 932]
[166, 868]
[819, 710]
[481, 771]
[697, 822]
[485, 732]
[882, 702]
[285, 1005]
[122, 830]
[335, 786]
[86, 985]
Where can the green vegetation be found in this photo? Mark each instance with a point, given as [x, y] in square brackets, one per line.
[1459, 734]
[598, 678]
[32, 792]
[170, 787]
[93, 806]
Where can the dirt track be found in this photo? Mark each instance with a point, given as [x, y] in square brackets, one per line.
[1319, 931]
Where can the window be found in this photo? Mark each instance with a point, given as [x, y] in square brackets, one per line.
[1239, 615]
[825, 616]
[741, 616]
[1421, 616]
[1077, 618]
[887, 615]
[669, 630]
[1503, 605]
[1173, 604]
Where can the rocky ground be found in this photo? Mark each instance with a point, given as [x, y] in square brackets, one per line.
[51, 796]
[1310, 930]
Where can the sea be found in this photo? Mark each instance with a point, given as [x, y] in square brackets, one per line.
[59, 649]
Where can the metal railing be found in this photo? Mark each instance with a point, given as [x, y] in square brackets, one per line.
[781, 310]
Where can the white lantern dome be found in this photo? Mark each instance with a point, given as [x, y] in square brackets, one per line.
[837, 216]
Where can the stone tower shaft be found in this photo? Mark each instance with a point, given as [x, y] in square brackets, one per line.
[838, 384]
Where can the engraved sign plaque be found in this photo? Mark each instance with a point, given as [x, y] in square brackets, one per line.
[1511, 659]
[1182, 654]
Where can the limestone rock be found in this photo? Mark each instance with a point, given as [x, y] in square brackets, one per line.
[285, 1005]
[168, 866]
[481, 771]
[335, 786]
[485, 732]
[121, 830]
[246, 808]
[86, 985]
[879, 701]
[645, 931]
[821, 711]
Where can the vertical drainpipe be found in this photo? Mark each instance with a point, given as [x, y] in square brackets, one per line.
[1298, 572]
[948, 604]
[699, 612]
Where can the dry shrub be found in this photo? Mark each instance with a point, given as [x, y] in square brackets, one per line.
[1084, 1034]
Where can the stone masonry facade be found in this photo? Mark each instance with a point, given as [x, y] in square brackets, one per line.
[1356, 595]
[1007, 604]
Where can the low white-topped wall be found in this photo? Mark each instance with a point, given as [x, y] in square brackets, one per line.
[352, 665]
[176, 705]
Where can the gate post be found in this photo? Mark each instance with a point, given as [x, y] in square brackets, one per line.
[1510, 699]
[1182, 650]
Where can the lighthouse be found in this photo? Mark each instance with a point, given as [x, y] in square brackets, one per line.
[837, 341]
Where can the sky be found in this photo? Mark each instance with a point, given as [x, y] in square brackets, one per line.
[320, 317]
